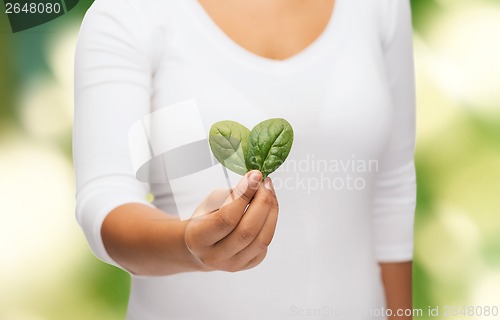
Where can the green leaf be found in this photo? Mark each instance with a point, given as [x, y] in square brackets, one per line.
[269, 144]
[229, 143]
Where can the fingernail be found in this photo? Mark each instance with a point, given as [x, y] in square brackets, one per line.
[268, 184]
[254, 177]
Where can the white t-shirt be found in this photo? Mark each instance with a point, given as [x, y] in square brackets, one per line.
[346, 192]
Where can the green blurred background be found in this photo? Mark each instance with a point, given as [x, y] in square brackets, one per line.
[48, 272]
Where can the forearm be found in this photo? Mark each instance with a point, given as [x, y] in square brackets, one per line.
[146, 241]
[397, 280]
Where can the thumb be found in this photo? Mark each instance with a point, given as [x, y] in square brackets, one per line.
[244, 191]
[220, 223]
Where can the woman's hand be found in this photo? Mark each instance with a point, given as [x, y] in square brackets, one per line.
[234, 235]
[223, 233]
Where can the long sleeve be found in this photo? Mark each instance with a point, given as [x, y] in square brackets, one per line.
[395, 193]
[112, 90]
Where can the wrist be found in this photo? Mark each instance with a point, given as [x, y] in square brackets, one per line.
[193, 263]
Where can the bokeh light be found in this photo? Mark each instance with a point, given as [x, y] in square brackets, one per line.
[38, 238]
[465, 46]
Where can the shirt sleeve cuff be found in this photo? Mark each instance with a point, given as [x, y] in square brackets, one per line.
[394, 253]
[91, 211]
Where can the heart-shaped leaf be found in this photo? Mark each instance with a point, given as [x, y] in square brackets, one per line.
[269, 144]
[265, 148]
[229, 143]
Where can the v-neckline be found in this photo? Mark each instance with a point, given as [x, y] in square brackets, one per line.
[250, 58]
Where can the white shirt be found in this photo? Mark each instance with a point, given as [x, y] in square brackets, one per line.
[346, 192]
